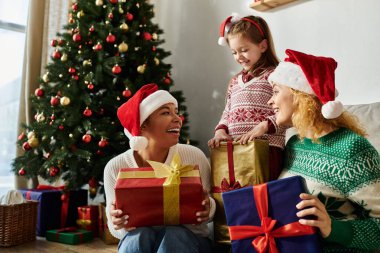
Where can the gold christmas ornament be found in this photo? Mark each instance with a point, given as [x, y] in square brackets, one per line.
[124, 27]
[64, 57]
[121, 10]
[156, 61]
[154, 36]
[80, 14]
[87, 63]
[141, 69]
[71, 135]
[40, 117]
[33, 142]
[99, 2]
[45, 77]
[60, 75]
[123, 47]
[64, 101]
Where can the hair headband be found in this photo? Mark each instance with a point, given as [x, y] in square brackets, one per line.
[228, 22]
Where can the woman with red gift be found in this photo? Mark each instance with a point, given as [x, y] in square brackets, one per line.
[340, 167]
[151, 122]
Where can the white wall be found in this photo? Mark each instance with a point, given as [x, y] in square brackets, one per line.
[347, 30]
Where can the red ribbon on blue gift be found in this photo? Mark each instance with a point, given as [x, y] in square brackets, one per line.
[265, 234]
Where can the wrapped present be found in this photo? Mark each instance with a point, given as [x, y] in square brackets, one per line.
[55, 209]
[88, 218]
[69, 235]
[104, 232]
[161, 195]
[263, 217]
[234, 166]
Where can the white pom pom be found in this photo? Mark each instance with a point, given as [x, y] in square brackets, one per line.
[138, 143]
[332, 109]
[235, 17]
[222, 41]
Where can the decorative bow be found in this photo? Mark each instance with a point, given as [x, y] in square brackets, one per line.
[225, 186]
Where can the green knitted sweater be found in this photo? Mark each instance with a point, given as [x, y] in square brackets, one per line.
[343, 170]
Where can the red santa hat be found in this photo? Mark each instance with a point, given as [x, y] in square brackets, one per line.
[312, 75]
[138, 108]
[227, 24]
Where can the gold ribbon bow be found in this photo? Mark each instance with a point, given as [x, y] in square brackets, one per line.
[173, 174]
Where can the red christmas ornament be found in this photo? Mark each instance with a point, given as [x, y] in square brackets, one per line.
[54, 101]
[98, 47]
[21, 136]
[91, 29]
[61, 127]
[127, 93]
[39, 92]
[110, 15]
[111, 38]
[167, 81]
[92, 182]
[113, 1]
[56, 54]
[182, 117]
[154, 49]
[52, 117]
[129, 16]
[72, 70]
[60, 42]
[26, 146]
[116, 69]
[77, 37]
[54, 43]
[76, 77]
[53, 171]
[74, 7]
[21, 172]
[87, 112]
[99, 152]
[90, 86]
[147, 36]
[102, 143]
[86, 138]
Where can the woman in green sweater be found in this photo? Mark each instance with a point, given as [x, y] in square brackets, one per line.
[340, 167]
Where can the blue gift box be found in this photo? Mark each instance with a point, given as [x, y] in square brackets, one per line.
[282, 197]
[49, 208]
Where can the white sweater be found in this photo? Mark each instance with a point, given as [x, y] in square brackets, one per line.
[189, 155]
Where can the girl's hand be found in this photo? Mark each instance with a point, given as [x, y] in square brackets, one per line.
[313, 206]
[259, 130]
[220, 135]
[117, 219]
[204, 215]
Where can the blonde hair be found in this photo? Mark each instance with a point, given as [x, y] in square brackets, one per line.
[249, 31]
[307, 117]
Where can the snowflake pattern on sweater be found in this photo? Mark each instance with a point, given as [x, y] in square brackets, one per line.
[343, 170]
[247, 106]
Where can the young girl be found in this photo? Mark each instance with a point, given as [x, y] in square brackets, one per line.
[340, 167]
[247, 115]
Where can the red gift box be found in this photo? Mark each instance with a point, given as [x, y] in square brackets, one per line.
[88, 218]
[162, 195]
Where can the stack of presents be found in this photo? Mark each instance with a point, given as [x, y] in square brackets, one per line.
[252, 215]
[66, 217]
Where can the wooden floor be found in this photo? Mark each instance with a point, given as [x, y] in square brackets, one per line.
[41, 245]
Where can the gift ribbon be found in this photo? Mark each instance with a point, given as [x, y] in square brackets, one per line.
[65, 202]
[83, 223]
[233, 184]
[173, 174]
[266, 234]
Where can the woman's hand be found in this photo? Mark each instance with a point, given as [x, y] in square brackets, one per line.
[259, 130]
[220, 135]
[313, 206]
[204, 215]
[117, 219]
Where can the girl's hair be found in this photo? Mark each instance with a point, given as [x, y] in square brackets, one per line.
[249, 31]
[307, 117]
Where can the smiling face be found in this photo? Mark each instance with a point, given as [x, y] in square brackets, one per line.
[163, 126]
[282, 102]
[245, 52]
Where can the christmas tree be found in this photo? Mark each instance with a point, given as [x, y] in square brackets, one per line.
[108, 51]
